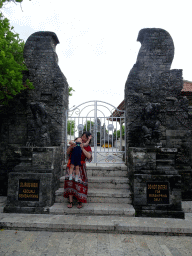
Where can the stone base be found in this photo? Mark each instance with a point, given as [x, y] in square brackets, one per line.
[27, 197]
[156, 183]
[169, 208]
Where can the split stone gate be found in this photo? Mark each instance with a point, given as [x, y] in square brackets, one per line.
[158, 137]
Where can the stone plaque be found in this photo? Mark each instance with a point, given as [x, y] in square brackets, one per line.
[28, 190]
[157, 193]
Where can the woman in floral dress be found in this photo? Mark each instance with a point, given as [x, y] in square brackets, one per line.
[78, 189]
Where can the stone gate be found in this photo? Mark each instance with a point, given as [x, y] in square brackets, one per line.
[158, 130]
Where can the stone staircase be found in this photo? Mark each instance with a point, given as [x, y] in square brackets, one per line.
[108, 193]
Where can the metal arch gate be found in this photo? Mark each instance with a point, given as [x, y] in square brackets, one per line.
[106, 147]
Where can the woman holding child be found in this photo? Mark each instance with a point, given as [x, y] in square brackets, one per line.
[77, 185]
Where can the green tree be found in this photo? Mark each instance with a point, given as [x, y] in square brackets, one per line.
[118, 133]
[88, 125]
[11, 61]
[71, 90]
[4, 1]
[71, 127]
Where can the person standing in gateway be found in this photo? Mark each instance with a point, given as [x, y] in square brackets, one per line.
[71, 187]
[76, 156]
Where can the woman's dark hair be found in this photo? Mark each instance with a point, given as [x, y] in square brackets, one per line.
[87, 136]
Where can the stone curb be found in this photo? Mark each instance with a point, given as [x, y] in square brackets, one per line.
[63, 223]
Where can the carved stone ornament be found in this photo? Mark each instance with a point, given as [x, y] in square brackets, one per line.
[38, 130]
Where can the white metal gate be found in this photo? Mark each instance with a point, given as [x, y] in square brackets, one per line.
[105, 125]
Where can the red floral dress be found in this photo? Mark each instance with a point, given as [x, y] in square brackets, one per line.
[78, 189]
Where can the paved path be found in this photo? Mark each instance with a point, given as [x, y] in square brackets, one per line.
[89, 242]
[41, 243]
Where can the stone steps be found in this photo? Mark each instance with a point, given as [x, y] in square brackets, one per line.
[59, 208]
[108, 193]
[104, 182]
[93, 209]
[101, 196]
[106, 171]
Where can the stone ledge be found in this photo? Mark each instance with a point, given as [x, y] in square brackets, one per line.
[63, 223]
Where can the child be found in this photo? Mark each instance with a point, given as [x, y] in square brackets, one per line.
[76, 157]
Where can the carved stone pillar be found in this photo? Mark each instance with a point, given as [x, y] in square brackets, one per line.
[154, 110]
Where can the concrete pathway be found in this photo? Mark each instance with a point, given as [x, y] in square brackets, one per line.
[56, 235]
[41, 243]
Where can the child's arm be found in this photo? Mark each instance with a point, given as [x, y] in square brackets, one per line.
[87, 143]
[72, 145]
[71, 142]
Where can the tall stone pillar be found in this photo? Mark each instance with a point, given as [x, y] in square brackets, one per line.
[155, 109]
[32, 183]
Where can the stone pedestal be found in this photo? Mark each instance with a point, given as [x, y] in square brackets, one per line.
[155, 183]
[32, 184]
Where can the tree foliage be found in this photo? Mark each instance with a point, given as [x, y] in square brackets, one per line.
[88, 126]
[70, 127]
[7, 1]
[11, 61]
[118, 133]
[70, 91]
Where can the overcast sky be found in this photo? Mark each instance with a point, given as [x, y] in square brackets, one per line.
[98, 44]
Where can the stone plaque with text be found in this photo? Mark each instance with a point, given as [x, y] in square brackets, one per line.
[157, 192]
[28, 190]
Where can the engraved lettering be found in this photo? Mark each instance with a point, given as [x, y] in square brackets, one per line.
[157, 193]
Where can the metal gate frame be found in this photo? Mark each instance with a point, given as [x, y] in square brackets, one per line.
[95, 104]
